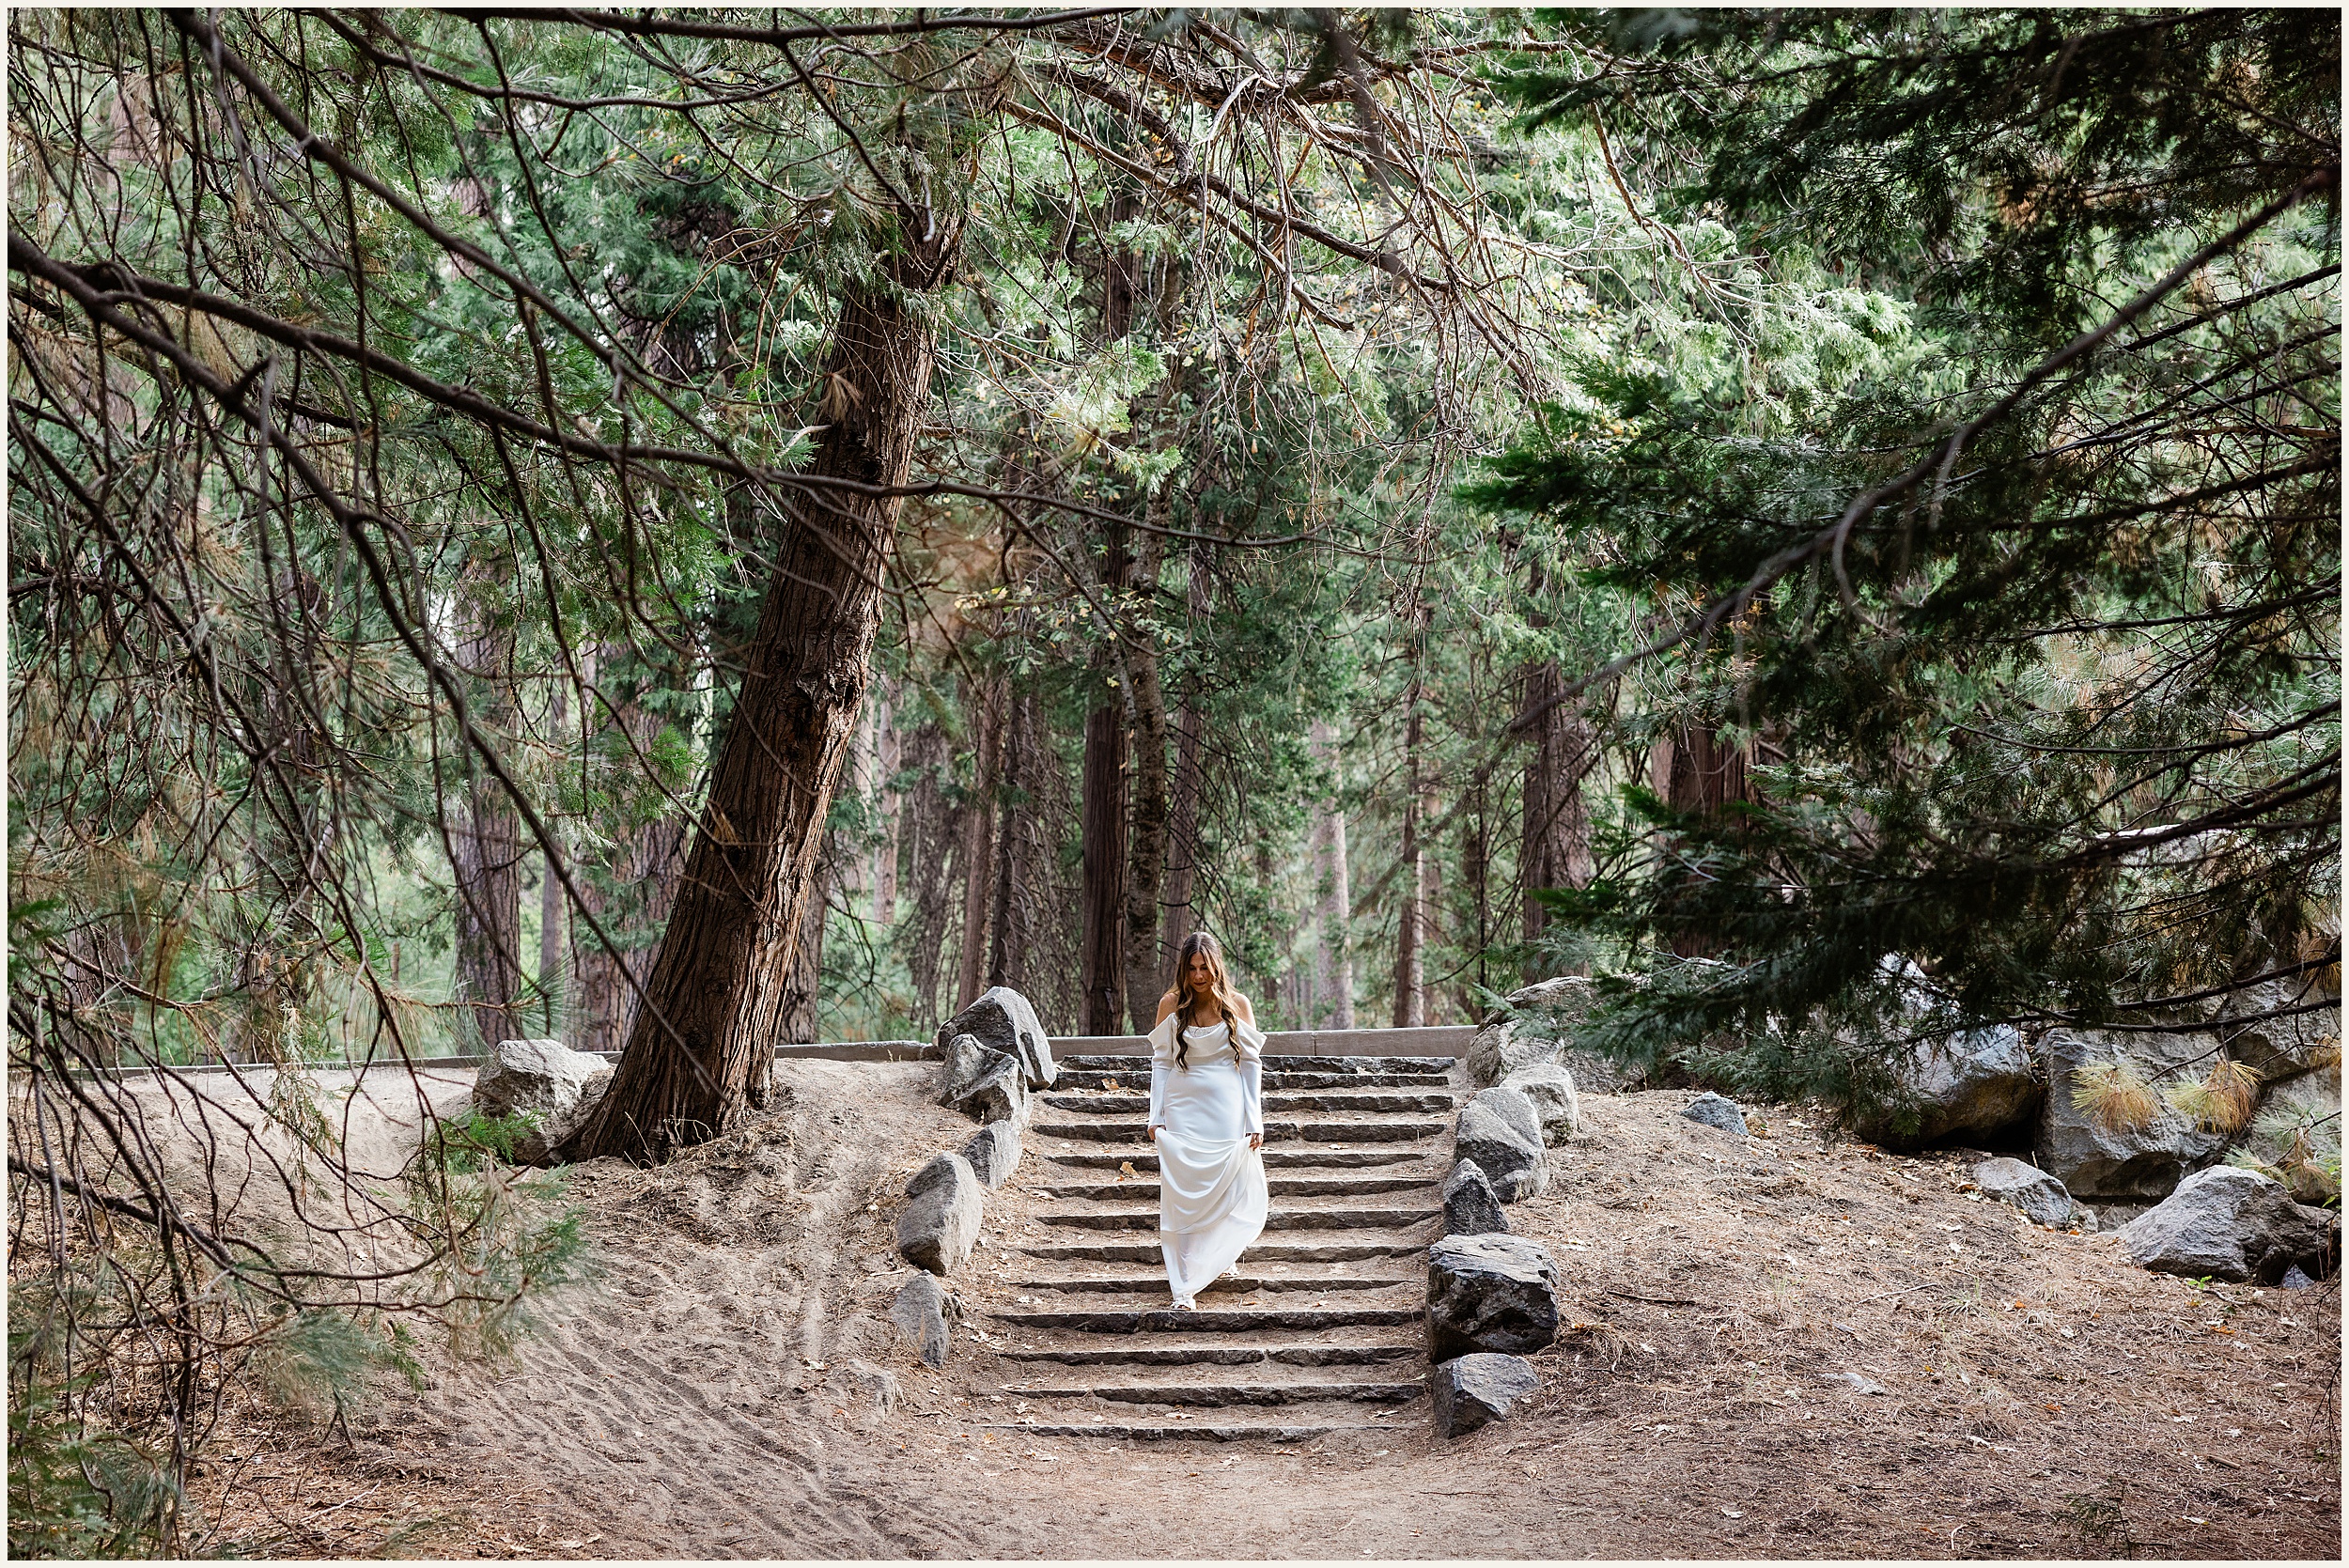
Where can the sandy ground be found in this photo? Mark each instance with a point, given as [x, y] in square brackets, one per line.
[714, 1395]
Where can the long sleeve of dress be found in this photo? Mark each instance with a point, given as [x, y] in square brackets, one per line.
[1252, 1091]
[1157, 1095]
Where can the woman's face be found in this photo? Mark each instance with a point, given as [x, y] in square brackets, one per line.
[1200, 973]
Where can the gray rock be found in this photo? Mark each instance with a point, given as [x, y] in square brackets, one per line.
[940, 1223]
[544, 1076]
[2028, 1187]
[1000, 1092]
[1470, 1391]
[1490, 1293]
[539, 1145]
[864, 1388]
[1715, 1111]
[962, 1059]
[1556, 1107]
[1002, 1021]
[1536, 1026]
[2297, 1279]
[1500, 1131]
[2230, 1224]
[994, 1153]
[921, 1310]
[2084, 1219]
[2283, 1047]
[2093, 1161]
[1977, 1084]
[1471, 1207]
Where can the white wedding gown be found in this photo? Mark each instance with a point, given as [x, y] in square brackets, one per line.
[1211, 1184]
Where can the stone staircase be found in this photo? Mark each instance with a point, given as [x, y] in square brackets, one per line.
[1323, 1329]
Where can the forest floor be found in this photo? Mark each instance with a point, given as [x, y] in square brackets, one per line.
[1793, 1345]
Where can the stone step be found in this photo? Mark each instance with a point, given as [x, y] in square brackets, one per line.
[1224, 1395]
[1279, 1219]
[1215, 1355]
[1147, 1284]
[1366, 1101]
[1139, 1078]
[1274, 1158]
[1280, 1187]
[1218, 1432]
[1281, 1131]
[1350, 1250]
[1348, 1065]
[1215, 1320]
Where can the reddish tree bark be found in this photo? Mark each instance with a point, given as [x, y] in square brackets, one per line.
[715, 1002]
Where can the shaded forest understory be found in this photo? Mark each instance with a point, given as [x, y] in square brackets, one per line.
[683, 530]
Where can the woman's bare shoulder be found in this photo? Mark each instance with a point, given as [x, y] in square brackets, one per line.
[1166, 1005]
[1241, 1006]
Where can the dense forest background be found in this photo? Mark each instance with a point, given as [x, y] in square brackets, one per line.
[686, 529]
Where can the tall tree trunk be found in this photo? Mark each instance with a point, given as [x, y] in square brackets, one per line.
[1182, 828]
[1699, 772]
[1431, 911]
[888, 756]
[714, 1004]
[978, 827]
[1555, 849]
[1004, 874]
[553, 944]
[1476, 868]
[1101, 899]
[1410, 962]
[485, 854]
[1334, 943]
[807, 969]
[1146, 965]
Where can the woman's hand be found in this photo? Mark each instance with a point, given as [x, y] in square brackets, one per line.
[1255, 1141]
[1154, 1130]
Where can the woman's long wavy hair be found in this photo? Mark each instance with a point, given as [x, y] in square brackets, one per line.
[1219, 991]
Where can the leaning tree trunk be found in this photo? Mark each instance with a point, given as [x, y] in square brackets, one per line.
[714, 1006]
[485, 856]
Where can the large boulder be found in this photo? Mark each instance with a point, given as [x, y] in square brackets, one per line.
[1490, 1293]
[1470, 1391]
[542, 1076]
[1718, 1112]
[994, 1153]
[2230, 1224]
[1500, 1131]
[1972, 1084]
[1471, 1207]
[998, 1093]
[2298, 1127]
[539, 1146]
[1002, 1021]
[1556, 1107]
[2284, 1043]
[2028, 1187]
[940, 1223]
[921, 1310]
[1535, 1026]
[2092, 1161]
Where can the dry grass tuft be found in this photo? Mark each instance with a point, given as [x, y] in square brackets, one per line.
[2224, 1098]
[2114, 1096]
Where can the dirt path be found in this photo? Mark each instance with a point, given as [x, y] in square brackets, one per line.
[2040, 1396]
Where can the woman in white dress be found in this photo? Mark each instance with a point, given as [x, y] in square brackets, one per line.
[1207, 1116]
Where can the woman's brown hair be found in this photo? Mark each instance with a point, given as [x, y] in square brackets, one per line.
[1199, 944]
